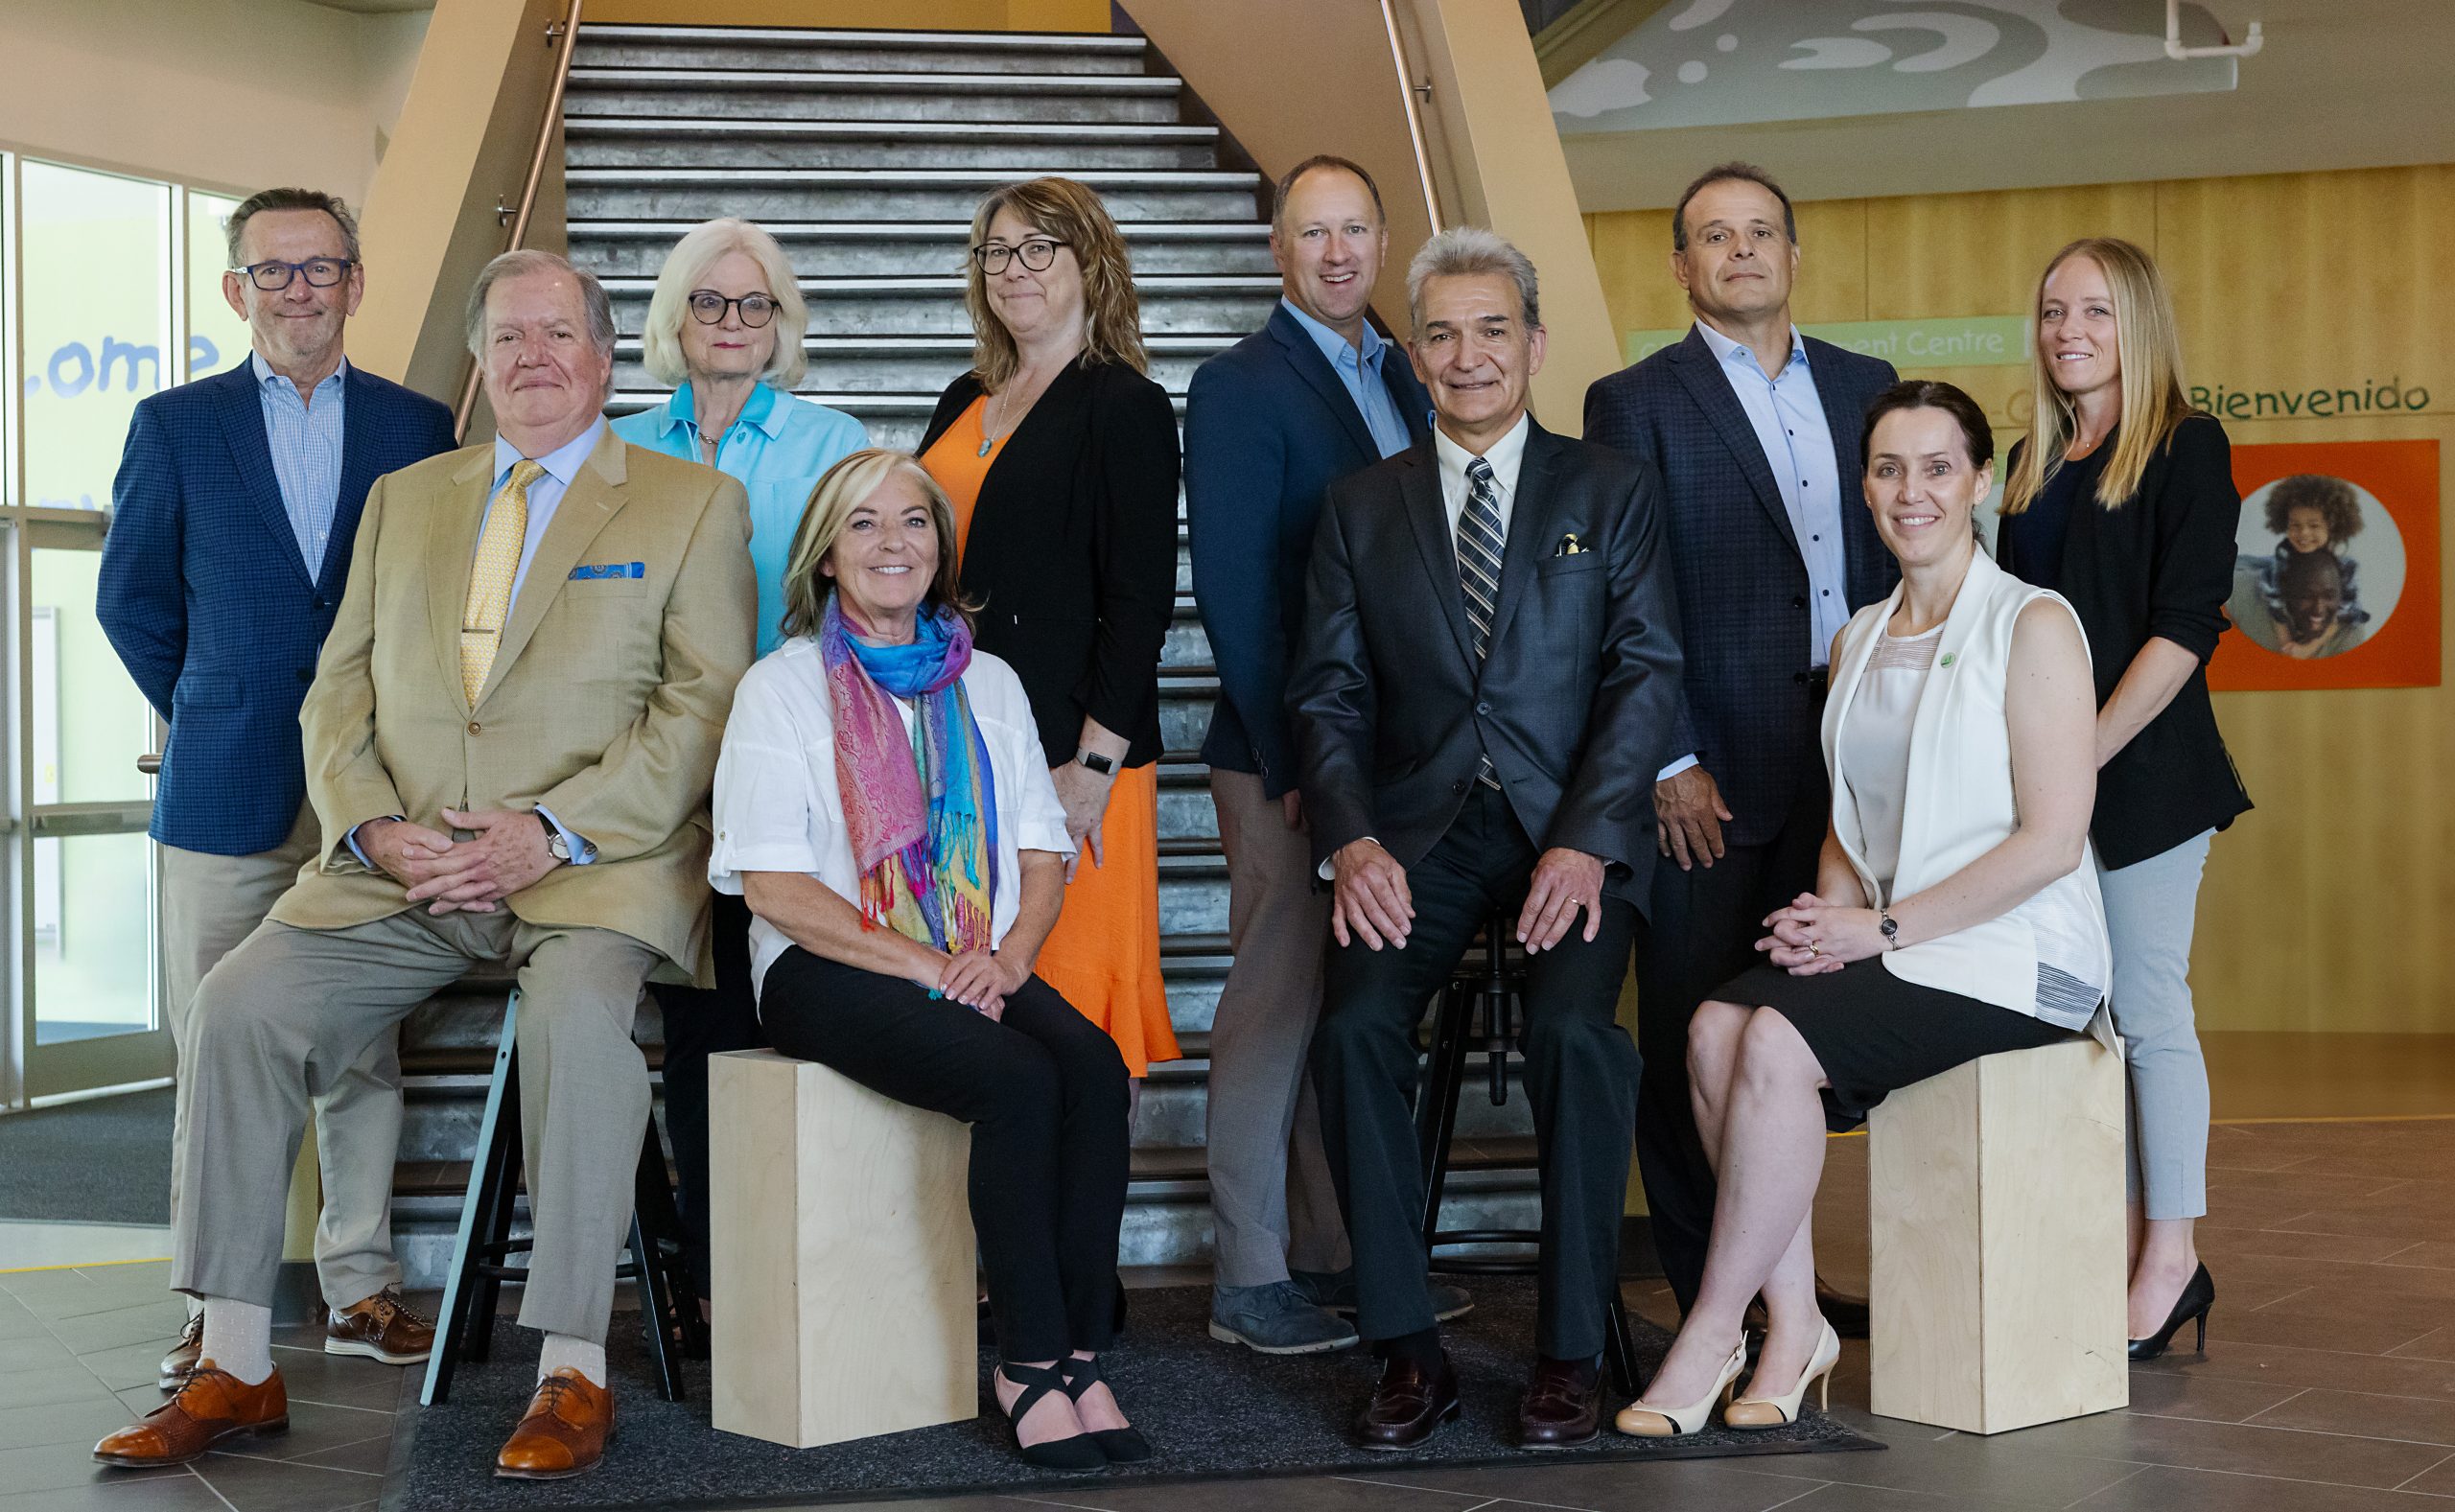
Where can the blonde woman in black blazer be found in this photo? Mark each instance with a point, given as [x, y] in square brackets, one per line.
[2121, 499]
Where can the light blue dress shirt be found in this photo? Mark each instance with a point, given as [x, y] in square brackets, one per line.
[1360, 370]
[306, 444]
[779, 447]
[1797, 442]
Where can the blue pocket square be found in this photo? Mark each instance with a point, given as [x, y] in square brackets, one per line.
[592, 571]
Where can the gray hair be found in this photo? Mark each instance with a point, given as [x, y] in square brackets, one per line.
[1463, 252]
[255, 204]
[519, 265]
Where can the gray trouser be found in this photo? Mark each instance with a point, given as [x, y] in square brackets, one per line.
[1272, 1200]
[2151, 907]
[209, 904]
[281, 1019]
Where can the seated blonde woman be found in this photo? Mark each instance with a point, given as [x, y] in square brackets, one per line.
[883, 805]
[1955, 913]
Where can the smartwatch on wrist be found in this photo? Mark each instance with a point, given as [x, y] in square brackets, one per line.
[1103, 765]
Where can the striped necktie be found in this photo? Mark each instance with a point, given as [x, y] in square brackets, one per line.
[491, 577]
[1480, 545]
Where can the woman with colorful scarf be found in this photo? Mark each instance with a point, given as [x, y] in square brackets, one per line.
[884, 806]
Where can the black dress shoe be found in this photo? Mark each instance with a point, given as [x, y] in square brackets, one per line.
[2199, 1294]
[1848, 1314]
[1407, 1405]
[1562, 1408]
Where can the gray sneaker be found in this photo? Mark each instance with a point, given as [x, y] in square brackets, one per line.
[1275, 1319]
[1334, 1290]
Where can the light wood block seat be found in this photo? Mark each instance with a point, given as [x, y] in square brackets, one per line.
[1995, 1205]
[842, 1254]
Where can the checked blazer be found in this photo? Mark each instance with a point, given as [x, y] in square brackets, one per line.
[208, 601]
[1747, 709]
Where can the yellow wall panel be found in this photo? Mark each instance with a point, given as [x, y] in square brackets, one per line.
[2323, 906]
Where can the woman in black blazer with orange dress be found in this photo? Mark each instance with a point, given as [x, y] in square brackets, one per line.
[1061, 457]
[2121, 499]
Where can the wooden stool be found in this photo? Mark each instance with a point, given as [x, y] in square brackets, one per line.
[1995, 1202]
[842, 1256]
[1486, 1007]
[482, 1254]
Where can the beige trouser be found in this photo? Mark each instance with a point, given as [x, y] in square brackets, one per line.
[209, 904]
[1271, 1202]
[284, 1017]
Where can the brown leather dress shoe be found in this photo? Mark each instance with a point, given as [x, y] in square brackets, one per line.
[181, 1363]
[1407, 1405]
[380, 1328]
[214, 1404]
[1562, 1408]
[569, 1423]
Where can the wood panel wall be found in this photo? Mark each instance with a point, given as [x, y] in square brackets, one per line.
[2323, 907]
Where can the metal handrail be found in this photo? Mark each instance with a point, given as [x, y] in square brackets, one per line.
[519, 215]
[1408, 89]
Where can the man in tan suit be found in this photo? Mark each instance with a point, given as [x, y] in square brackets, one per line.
[509, 743]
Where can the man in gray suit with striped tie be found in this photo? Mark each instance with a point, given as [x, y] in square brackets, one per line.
[1484, 689]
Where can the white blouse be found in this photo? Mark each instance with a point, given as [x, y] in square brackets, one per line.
[778, 806]
[1875, 746]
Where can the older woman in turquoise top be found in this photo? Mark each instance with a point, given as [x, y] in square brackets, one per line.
[726, 325]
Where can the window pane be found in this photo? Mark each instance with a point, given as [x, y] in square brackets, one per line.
[216, 338]
[94, 292]
[90, 722]
[93, 937]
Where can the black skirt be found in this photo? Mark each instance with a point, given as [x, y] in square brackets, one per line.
[1875, 1033]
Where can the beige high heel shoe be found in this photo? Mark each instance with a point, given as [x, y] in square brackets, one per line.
[1754, 1412]
[1640, 1421]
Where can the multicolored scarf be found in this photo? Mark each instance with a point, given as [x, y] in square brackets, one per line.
[922, 810]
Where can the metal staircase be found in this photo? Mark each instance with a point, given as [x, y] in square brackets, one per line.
[864, 153]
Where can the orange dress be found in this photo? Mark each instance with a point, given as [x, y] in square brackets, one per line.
[1103, 957]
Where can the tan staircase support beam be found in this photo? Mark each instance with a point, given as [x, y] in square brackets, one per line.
[461, 148]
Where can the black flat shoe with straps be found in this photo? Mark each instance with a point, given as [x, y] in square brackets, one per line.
[1080, 1451]
[1123, 1446]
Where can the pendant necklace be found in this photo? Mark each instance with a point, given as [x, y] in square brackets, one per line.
[990, 425]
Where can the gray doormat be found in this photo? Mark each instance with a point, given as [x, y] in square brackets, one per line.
[103, 1161]
[1212, 1410]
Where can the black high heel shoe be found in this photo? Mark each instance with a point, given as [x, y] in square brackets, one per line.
[2199, 1294]
[1123, 1446]
[1081, 1452]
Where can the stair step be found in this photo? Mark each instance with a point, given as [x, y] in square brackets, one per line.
[917, 195]
[1017, 147]
[915, 249]
[964, 52]
[860, 94]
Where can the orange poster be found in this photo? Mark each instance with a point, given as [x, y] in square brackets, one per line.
[2335, 571]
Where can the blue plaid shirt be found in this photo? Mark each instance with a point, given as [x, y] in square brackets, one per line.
[306, 444]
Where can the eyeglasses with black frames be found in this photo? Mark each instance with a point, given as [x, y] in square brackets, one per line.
[707, 308]
[320, 273]
[1036, 254]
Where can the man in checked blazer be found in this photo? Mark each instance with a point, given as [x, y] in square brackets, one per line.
[509, 745]
[232, 520]
[1756, 431]
[1484, 689]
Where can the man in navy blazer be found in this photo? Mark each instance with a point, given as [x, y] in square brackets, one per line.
[1270, 422]
[1757, 431]
[232, 521]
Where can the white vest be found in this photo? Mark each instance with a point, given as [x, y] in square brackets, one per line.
[1959, 805]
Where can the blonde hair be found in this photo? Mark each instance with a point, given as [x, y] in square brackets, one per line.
[840, 490]
[701, 248]
[1066, 212]
[2154, 403]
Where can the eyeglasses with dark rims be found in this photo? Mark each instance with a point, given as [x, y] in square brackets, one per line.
[1036, 254]
[272, 277]
[707, 308]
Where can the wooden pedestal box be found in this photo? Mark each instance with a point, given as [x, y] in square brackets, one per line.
[1995, 1201]
[842, 1252]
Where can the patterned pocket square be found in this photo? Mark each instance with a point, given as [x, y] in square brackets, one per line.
[594, 572]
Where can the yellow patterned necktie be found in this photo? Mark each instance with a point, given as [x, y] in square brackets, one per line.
[491, 576]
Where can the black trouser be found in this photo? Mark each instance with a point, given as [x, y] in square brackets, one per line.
[1581, 1077]
[700, 1022]
[1701, 932]
[1044, 1090]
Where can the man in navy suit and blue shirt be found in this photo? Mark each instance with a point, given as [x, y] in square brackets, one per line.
[1756, 432]
[232, 522]
[1270, 422]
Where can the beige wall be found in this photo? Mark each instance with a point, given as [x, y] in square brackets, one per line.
[233, 95]
[2322, 906]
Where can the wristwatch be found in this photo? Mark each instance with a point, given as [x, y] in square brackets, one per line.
[556, 846]
[1103, 765]
[1891, 929]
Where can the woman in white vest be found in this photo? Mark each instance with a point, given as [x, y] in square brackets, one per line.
[1955, 913]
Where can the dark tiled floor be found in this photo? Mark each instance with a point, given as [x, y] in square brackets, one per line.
[2328, 1385]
